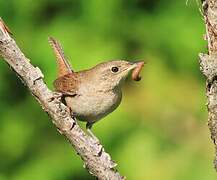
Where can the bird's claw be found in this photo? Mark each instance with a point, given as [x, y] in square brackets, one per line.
[96, 140]
[56, 95]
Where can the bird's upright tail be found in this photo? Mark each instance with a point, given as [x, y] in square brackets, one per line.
[63, 65]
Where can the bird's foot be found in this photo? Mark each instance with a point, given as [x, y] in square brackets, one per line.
[56, 95]
[96, 140]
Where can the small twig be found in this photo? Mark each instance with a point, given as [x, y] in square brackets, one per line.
[96, 160]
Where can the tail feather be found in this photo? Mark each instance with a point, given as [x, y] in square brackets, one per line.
[62, 63]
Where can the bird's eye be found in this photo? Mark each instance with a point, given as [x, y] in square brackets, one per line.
[115, 69]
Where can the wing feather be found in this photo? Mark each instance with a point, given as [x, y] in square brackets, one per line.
[67, 84]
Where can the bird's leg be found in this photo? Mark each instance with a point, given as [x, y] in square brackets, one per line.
[88, 127]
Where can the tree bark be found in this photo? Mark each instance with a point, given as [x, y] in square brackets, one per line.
[208, 66]
[96, 160]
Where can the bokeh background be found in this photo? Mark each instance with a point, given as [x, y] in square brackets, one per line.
[159, 131]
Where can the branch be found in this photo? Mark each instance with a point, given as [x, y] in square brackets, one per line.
[208, 66]
[96, 160]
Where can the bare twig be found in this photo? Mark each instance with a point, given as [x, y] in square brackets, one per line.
[96, 160]
[208, 66]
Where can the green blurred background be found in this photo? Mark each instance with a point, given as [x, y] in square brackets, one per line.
[159, 131]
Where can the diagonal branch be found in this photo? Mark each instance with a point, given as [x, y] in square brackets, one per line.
[96, 160]
[208, 66]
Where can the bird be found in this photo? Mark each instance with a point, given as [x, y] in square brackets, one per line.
[93, 93]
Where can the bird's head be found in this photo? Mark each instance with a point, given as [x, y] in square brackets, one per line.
[112, 74]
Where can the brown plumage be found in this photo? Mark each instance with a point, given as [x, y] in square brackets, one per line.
[63, 66]
[67, 84]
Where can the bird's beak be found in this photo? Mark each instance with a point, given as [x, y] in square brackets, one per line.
[136, 67]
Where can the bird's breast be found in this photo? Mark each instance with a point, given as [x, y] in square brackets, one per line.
[93, 105]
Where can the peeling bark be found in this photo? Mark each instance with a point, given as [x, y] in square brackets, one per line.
[208, 66]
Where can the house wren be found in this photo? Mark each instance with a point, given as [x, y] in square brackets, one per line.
[94, 93]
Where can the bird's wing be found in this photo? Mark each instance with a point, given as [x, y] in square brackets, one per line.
[67, 84]
[62, 63]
